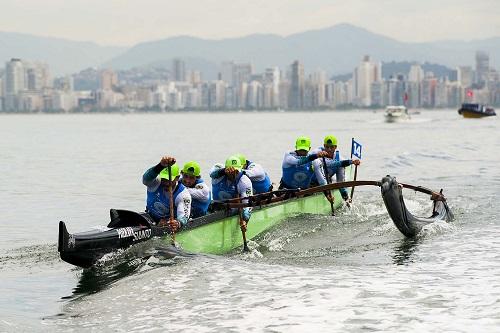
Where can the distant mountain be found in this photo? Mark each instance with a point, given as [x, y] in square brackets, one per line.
[63, 56]
[337, 50]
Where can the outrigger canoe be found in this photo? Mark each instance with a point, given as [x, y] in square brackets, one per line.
[219, 232]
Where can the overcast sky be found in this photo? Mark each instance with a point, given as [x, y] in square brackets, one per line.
[126, 22]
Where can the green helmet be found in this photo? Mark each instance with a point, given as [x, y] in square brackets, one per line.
[303, 143]
[233, 161]
[175, 172]
[242, 158]
[330, 140]
[191, 168]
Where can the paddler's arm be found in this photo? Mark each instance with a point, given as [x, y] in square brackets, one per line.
[150, 177]
[200, 192]
[312, 156]
[217, 171]
[183, 204]
[245, 190]
[255, 171]
[291, 159]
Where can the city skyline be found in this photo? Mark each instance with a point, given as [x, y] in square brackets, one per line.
[112, 23]
[28, 86]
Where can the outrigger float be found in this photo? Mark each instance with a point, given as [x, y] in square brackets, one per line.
[219, 232]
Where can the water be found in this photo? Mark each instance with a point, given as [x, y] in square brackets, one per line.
[353, 272]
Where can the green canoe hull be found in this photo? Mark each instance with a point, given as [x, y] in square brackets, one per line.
[224, 235]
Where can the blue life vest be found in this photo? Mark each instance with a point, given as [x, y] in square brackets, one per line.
[260, 186]
[158, 202]
[298, 176]
[225, 189]
[199, 208]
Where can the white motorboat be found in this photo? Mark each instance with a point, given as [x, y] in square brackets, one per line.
[396, 113]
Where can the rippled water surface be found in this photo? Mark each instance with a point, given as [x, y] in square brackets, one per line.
[354, 272]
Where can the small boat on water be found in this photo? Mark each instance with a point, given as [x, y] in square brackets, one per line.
[474, 110]
[219, 232]
[396, 113]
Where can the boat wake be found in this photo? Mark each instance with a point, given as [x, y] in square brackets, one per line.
[30, 257]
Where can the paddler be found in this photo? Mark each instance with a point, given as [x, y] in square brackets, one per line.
[297, 165]
[158, 180]
[199, 190]
[230, 182]
[335, 166]
[261, 182]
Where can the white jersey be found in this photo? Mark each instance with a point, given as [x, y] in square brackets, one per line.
[255, 172]
[200, 192]
[332, 165]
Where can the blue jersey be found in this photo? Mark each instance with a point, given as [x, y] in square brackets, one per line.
[158, 202]
[226, 189]
[297, 170]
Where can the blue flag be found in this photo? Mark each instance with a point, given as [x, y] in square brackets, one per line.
[356, 149]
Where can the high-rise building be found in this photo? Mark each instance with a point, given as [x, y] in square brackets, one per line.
[465, 76]
[14, 83]
[377, 94]
[195, 77]
[227, 72]
[109, 79]
[217, 94]
[255, 95]
[15, 77]
[429, 91]
[272, 78]
[178, 70]
[284, 96]
[414, 93]
[416, 73]
[242, 73]
[318, 81]
[296, 86]
[482, 67]
[364, 75]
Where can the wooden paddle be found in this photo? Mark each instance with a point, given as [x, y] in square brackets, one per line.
[243, 227]
[171, 201]
[327, 175]
[355, 175]
[355, 168]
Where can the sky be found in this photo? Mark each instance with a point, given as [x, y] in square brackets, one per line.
[127, 22]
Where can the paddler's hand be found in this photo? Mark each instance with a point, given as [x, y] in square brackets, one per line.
[324, 153]
[346, 198]
[245, 214]
[167, 161]
[356, 162]
[174, 225]
[162, 223]
[230, 171]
